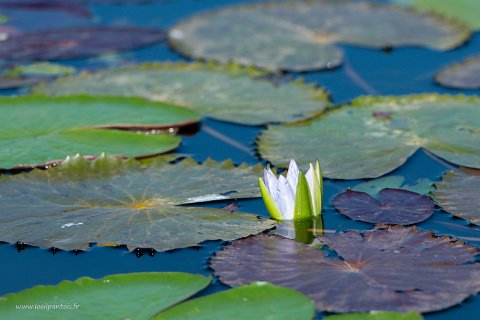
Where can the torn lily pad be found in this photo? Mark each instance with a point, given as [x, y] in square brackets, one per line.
[465, 11]
[394, 206]
[38, 129]
[301, 35]
[69, 43]
[87, 298]
[372, 136]
[113, 202]
[258, 300]
[463, 75]
[392, 269]
[228, 93]
[458, 194]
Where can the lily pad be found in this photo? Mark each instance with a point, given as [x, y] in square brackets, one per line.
[71, 7]
[375, 135]
[72, 43]
[228, 93]
[260, 301]
[394, 206]
[465, 11]
[112, 202]
[458, 194]
[463, 75]
[374, 186]
[40, 69]
[18, 82]
[301, 35]
[392, 269]
[38, 129]
[376, 315]
[121, 296]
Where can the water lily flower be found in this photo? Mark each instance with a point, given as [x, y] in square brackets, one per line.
[295, 197]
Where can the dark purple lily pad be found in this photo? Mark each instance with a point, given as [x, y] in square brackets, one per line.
[394, 206]
[394, 268]
[67, 6]
[76, 43]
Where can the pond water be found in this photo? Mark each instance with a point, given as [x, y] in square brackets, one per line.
[400, 71]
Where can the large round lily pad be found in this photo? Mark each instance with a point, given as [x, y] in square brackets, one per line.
[121, 296]
[300, 35]
[375, 135]
[111, 202]
[39, 129]
[463, 75]
[392, 269]
[261, 301]
[458, 194]
[72, 43]
[465, 11]
[226, 93]
[394, 206]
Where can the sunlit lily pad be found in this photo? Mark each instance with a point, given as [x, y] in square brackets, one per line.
[376, 315]
[72, 43]
[465, 11]
[374, 186]
[121, 296]
[226, 93]
[392, 269]
[40, 69]
[301, 35]
[375, 135]
[458, 194]
[394, 206]
[38, 129]
[110, 201]
[261, 301]
[463, 75]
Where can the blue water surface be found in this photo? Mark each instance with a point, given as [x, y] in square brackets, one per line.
[365, 71]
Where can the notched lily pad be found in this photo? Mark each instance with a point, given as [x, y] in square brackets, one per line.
[392, 269]
[300, 35]
[372, 136]
[72, 43]
[228, 93]
[261, 301]
[376, 315]
[374, 186]
[38, 129]
[458, 194]
[394, 206]
[463, 75]
[140, 295]
[111, 201]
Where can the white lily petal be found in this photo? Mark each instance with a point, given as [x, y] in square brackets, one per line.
[286, 199]
[292, 176]
[271, 182]
[311, 175]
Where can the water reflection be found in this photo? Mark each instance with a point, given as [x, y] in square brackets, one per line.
[305, 231]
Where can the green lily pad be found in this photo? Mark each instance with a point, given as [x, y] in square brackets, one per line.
[458, 194]
[261, 301]
[374, 186]
[388, 268]
[40, 69]
[376, 315]
[38, 129]
[121, 296]
[465, 11]
[112, 202]
[463, 75]
[228, 93]
[375, 135]
[300, 35]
